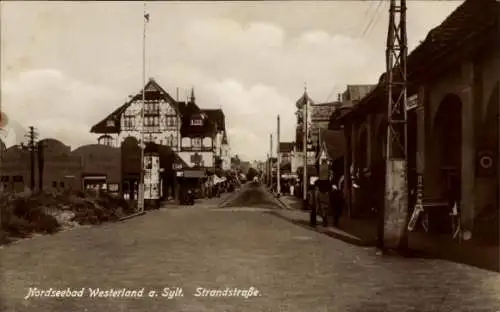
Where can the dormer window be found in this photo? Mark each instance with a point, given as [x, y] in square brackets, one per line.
[196, 122]
[110, 123]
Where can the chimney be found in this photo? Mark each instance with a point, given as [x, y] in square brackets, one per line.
[177, 94]
[339, 97]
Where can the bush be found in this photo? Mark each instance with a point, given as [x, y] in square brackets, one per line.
[23, 215]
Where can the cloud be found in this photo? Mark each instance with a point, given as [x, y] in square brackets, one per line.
[252, 115]
[56, 105]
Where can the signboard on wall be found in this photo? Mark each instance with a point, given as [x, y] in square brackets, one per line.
[412, 102]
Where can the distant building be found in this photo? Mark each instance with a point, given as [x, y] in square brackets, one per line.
[286, 150]
[320, 118]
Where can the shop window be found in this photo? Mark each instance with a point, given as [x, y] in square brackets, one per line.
[4, 179]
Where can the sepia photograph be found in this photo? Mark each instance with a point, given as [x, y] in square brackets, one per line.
[288, 156]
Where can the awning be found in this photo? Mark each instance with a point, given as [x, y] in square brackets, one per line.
[94, 177]
[194, 174]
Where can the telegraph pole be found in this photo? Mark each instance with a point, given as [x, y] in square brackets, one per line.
[140, 201]
[278, 188]
[271, 161]
[395, 212]
[32, 135]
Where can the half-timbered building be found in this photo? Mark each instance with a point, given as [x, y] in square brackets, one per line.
[182, 141]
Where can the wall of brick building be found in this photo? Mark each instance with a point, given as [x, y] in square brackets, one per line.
[63, 168]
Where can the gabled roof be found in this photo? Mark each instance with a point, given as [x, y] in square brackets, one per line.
[189, 111]
[153, 92]
[332, 143]
[286, 147]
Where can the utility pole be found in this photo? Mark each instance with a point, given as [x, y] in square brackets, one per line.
[267, 169]
[140, 202]
[303, 104]
[271, 161]
[395, 212]
[32, 136]
[278, 188]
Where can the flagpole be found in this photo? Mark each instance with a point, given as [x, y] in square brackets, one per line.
[140, 204]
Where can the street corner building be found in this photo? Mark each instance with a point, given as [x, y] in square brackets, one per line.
[184, 144]
[452, 126]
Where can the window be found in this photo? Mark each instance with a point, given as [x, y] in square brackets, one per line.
[172, 140]
[110, 123]
[106, 140]
[196, 142]
[151, 121]
[196, 122]
[54, 183]
[151, 107]
[61, 184]
[4, 179]
[18, 179]
[129, 122]
[171, 121]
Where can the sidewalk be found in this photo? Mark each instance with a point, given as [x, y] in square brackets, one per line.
[363, 232]
[442, 247]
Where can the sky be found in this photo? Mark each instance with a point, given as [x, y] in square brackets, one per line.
[67, 65]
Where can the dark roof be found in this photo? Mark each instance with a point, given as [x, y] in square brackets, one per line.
[153, 92]
[217, 117]
[356, 92]
[191, 111]
[470, 23]
[286, 147]
[332, 142]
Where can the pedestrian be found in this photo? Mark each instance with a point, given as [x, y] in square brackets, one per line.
[292, 187]
[338, 202]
